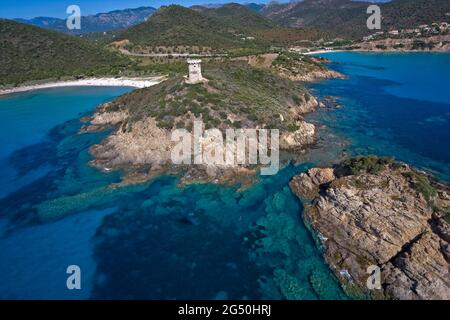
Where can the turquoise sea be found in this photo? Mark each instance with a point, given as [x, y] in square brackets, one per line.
[393, 104]
[158, 241]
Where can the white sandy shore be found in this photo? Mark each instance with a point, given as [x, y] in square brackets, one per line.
[375, 51]
[322, 51]
[100, 82]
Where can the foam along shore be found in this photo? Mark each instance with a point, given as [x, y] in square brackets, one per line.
[100, 82]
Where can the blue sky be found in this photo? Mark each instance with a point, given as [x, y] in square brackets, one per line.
[57, 8]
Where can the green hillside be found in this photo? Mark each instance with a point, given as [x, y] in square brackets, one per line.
[240, 16]
[405, 13]
[252, 96]
[32, 53]
[348, 18]
[227, 28]
[175, 25]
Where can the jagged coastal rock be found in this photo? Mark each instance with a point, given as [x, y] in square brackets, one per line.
[307, 184]
[371, 211]
[300, 138]
[146, 143]
[146, 147]
[312, 76]
[309, 104]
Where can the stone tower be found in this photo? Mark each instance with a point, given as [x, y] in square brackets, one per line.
[195, 71]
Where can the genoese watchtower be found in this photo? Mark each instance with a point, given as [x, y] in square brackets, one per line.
[195, 71]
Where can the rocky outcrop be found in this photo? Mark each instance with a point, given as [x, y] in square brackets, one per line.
[317, 75]
[305, 133]
[309, 105]
[307, 184]
[421, 272]
[302, 137]
[387, 218]
[298, 67]
[143, 150]
[310, 76]
[144, 144]
[109, 118]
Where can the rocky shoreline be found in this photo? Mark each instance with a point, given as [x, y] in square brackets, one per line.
[369, 211]
[141, 148]
[144, 151]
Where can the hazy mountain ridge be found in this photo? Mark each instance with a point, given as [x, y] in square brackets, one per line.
[344, 18]
[113, 20]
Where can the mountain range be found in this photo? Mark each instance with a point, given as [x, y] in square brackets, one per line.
[343, 18]
[101, 22]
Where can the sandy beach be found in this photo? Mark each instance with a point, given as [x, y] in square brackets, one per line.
[321, 51]
[108, 82]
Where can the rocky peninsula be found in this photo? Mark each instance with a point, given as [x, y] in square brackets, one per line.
[304, 68]
[370, 211]
[235, 95]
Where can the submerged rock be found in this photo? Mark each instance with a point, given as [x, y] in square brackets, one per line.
[380, 213]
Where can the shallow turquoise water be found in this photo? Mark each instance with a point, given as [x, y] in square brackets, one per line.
[158, 241]
[150, 241]
[392, 104]
[34, 164]
[27, 118]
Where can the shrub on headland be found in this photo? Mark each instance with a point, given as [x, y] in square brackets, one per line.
[370, 164]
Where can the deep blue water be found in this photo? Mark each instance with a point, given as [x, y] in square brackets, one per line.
[159, 241]
[394, 104]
